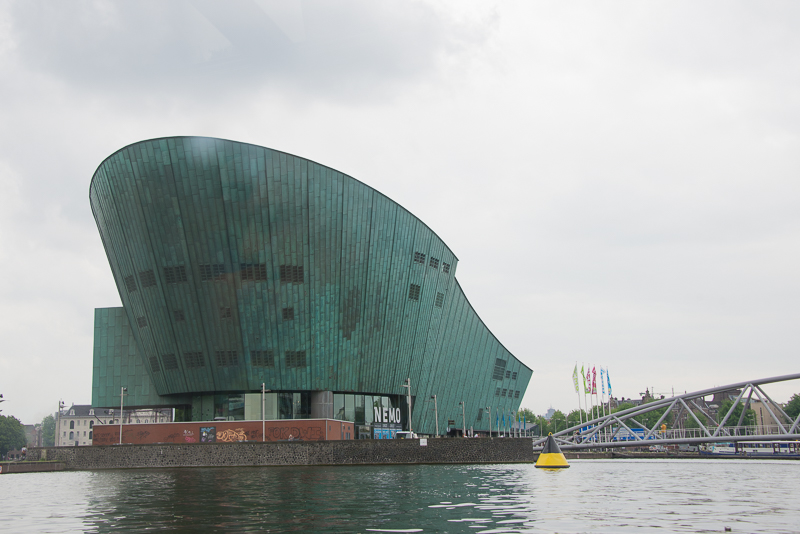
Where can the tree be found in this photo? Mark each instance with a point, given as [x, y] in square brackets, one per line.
[527, 414]
[49, 431]
[733, 420]
[12, 434]
[577, 417]
[623, 406]
[793, 406]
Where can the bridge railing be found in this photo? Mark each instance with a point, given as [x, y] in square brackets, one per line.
[626, 428]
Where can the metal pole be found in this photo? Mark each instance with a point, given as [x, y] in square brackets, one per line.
[463, 421]
[263, 412]
[489, 409]
[436, 412]
[408, 385]
[121, 396]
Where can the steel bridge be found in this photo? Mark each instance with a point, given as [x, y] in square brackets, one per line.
[623, 428]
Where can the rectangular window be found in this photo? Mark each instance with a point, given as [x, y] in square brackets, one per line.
[225, 313]
[414, 291]
[419, 257]
[141, 321]
[497, 392]
[503, 393]
[90, 434]
[212, 272]
[513, 376]
[193, 359]
[175, 275]
[508, 374]
[516, 394]
[445, 267]
[154, 365]
[288, 314]
[480, 415]
[295, 358]
[499, 369]
[130, 283]
[178, 314]
[439, 300]
[434, 262]
[254, 271]
[170, 362]
[262, 358]
[227, 358]
[292, 274]
[147, 278]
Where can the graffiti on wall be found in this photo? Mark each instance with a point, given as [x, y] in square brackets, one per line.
[232, 435]
[208, 434]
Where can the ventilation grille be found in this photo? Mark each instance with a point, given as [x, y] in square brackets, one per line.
[130, 283]
[254, 271]
[439, 300]
[499, 369]
[178, 314]
[212, 271]
[414, 291]
[262, 358]
[225, 313]
[175, 275]
[193, 359]
[154, 365]
[170, 362]
[295, 358]
[419, 257]
[227, 358]
[291, 274]
[445, 267]
[434, 262]
[288, 314]
[142, 321]
[148, 278]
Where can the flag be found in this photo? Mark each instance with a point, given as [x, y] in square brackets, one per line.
[585, 389]
[575, 377]
[608, 378]
[503, 420]
[602, 382]
[589, 380]
[594, 381]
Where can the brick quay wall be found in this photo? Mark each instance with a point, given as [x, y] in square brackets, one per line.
[352, 452]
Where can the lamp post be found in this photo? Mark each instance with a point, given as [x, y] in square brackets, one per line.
[489, 409]
[121, 397]
[408, 385]
[463, 421]
[263, 410]
[436, 412]
[57, 441]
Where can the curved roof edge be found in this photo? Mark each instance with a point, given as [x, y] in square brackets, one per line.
[471, 307]
[279, 152]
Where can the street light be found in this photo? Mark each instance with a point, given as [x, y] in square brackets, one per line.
[489, 409]
[436, 411]
[463, 421]
[58, 423]
[121, 397]
[408, 385]
[263, 409]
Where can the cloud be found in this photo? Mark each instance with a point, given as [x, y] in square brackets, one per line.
[352, 50]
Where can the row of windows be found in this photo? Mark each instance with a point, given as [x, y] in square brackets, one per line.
[227, 313]
[72, 424]
[415, 290]
[229, 358]
[506, 392]
[210, 272]
[419, 257]
[72, 434]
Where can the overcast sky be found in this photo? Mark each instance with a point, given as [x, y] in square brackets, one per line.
[619, 180]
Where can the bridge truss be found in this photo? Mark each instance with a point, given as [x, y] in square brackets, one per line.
[623, 428]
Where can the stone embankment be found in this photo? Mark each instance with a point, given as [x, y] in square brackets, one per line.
[30, 467]
[355, 452]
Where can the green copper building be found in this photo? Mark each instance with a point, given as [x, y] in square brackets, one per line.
[238, 266]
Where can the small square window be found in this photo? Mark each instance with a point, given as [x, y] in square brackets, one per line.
[227, 358]
[414, 292]
[434, 262]
[295, 358]
[262, 358]
[141, 321]
[148, 278]
[503, 393]
[225, 313]
[513, 376]
[419, 257]
[288, 314]
[445, 267]
[130, 283]
[508, 374]
[516, 394]
[170, 362]
[178, 314]
[193, 359]
[439, 300]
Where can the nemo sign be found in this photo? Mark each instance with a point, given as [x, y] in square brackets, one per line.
[387, 415]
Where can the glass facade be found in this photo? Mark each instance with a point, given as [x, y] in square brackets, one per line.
[239, 265]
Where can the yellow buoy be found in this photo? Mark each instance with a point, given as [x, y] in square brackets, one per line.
[551, 456]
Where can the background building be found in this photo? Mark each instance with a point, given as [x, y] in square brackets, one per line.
[238, 266]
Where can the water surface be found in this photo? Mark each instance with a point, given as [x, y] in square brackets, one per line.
[591, 496]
